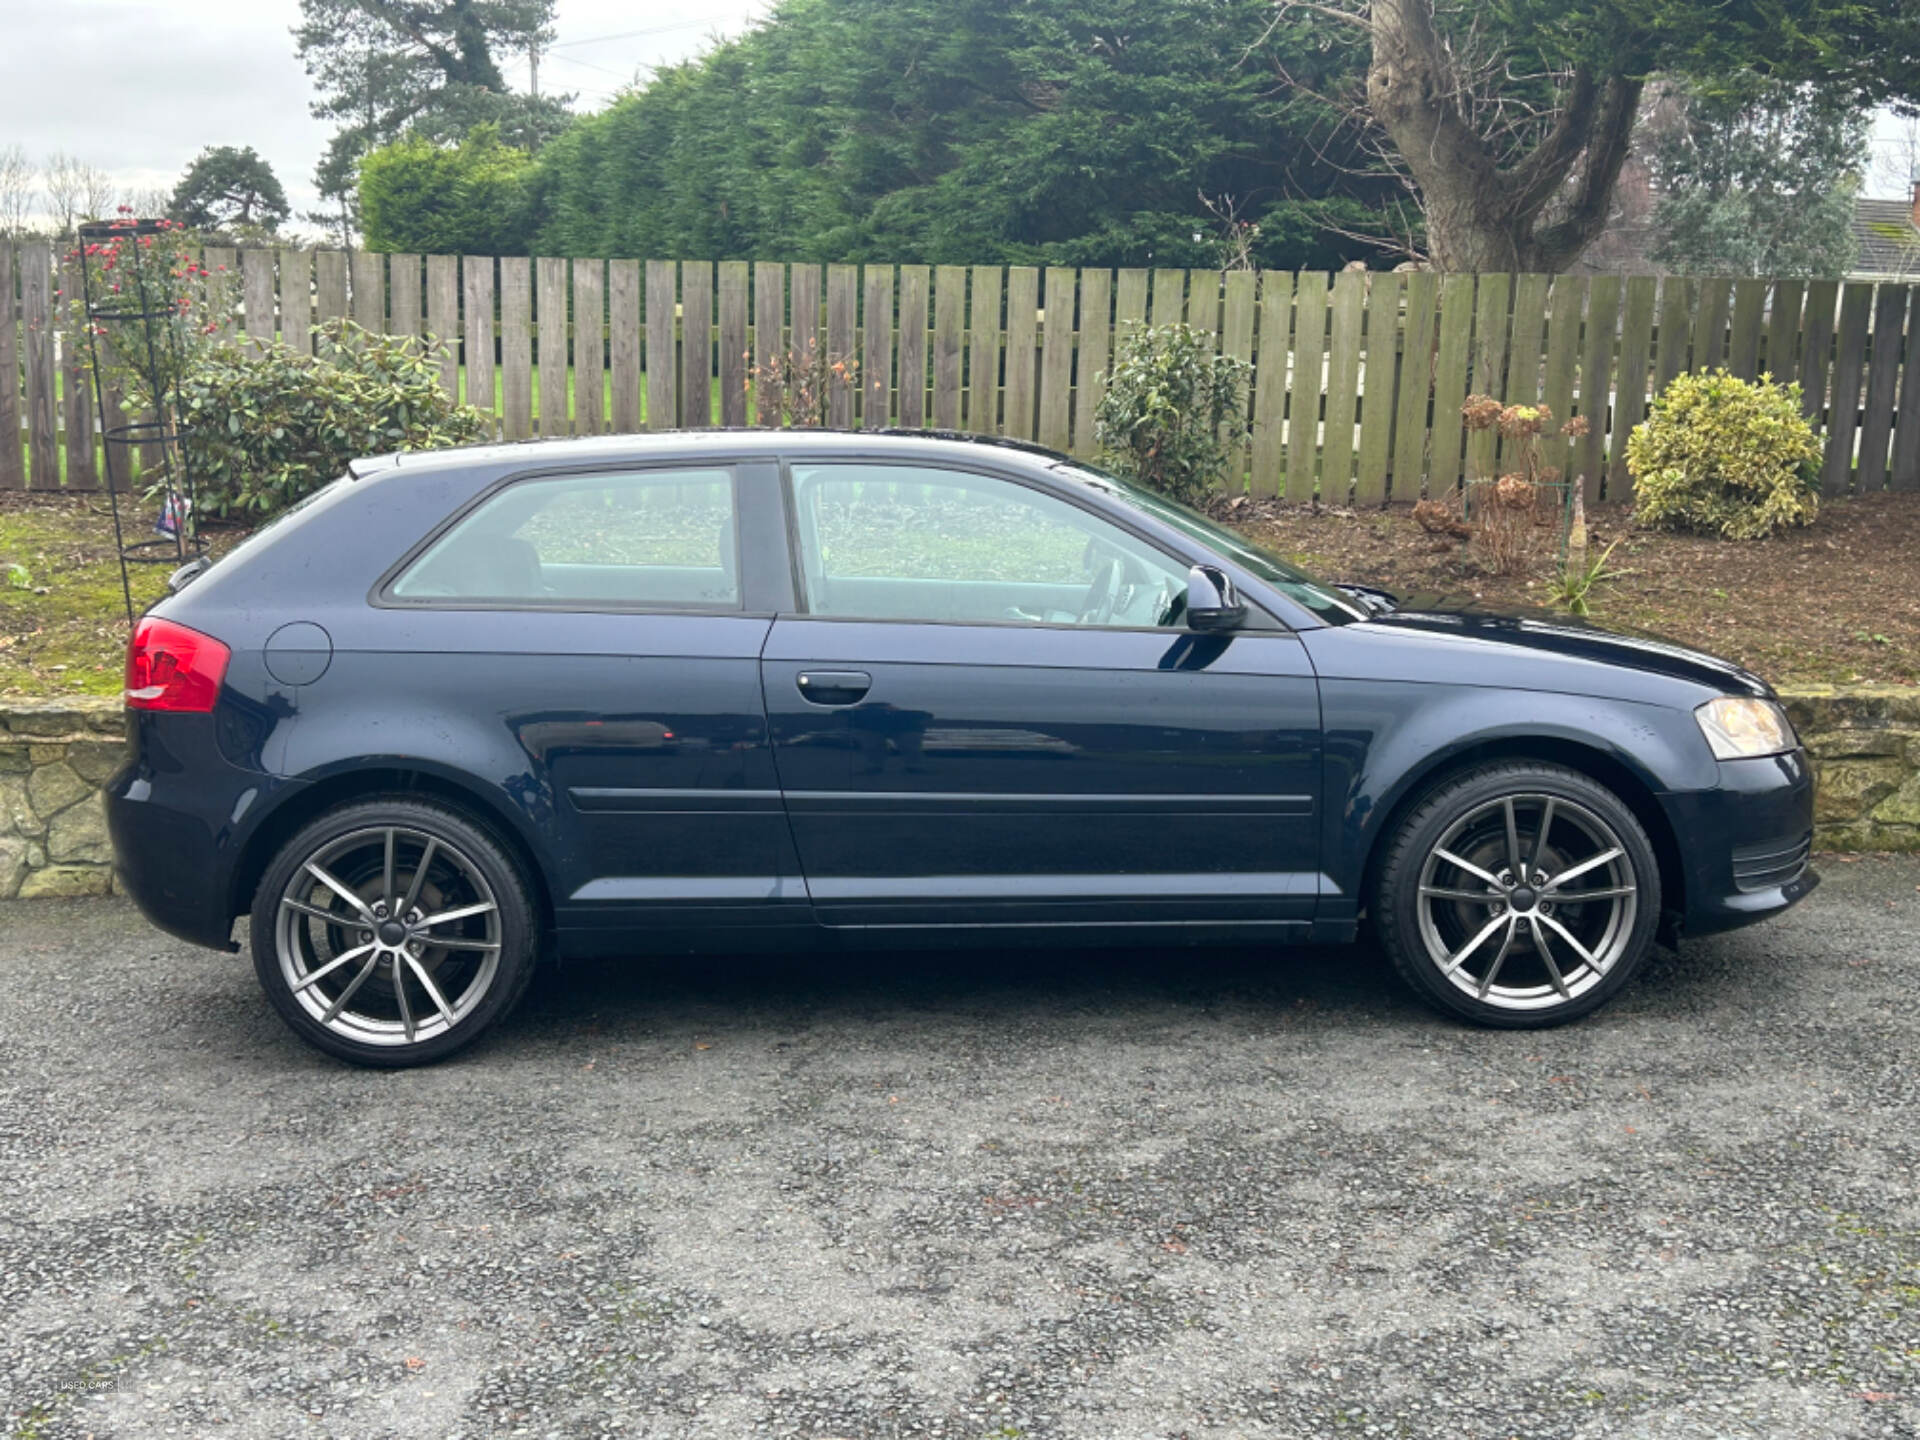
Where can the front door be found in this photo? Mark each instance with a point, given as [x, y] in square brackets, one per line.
[992, 715]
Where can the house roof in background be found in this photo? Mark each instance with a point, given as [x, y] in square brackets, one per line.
[1889, 243]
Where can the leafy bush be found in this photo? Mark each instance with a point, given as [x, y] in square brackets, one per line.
[1173, 410]
[430, 199]
[265, 428]
[1725, 456]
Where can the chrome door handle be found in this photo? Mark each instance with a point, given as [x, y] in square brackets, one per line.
[833, 687]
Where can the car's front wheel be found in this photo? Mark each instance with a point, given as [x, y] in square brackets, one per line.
[1518, 895]
[393, 932]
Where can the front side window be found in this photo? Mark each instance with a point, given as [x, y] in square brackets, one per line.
[904, 542]
[652, 538]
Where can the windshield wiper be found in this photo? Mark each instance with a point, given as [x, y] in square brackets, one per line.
[1372, 598]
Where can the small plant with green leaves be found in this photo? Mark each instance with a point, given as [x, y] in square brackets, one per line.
[1573, 590]
[1723, 456]
[1173, 411]
[266, 427]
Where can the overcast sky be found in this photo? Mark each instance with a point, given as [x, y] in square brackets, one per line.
[139, 89]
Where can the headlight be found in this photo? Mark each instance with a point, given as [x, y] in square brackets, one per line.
[1738, 727]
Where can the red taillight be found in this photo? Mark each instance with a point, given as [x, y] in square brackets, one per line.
[170, 667]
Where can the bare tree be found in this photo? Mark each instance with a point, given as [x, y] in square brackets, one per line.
[1896, 161]
[17, 179]
[76, 191]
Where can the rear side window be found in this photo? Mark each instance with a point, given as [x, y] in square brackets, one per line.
[648, 539]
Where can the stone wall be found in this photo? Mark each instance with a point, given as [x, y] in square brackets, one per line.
[54, 755]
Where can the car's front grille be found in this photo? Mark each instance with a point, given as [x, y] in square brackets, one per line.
[1762, 867]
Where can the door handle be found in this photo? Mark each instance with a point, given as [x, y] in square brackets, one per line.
[833, 687]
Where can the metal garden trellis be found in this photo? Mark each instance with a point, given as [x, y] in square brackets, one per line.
[155, 352]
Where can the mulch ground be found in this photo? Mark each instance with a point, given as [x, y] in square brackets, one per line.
[1835, 602]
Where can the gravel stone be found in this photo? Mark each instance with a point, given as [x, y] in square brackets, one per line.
[1142, 1195]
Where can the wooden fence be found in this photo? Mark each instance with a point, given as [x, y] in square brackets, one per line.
[1357, 383]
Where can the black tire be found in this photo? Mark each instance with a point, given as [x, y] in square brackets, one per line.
[463, 853]
[1563, 986]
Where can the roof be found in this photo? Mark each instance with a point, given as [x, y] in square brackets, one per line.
[1886, 238]
[591, 449]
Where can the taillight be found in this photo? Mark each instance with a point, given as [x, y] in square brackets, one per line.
[170, 667]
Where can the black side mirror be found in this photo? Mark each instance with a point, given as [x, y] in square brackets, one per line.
[1212, 602]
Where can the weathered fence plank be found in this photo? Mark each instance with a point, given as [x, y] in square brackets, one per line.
[1093, 357]
[1563, 357]
[1849, 366]
[13, 468]
[1749, 308]
[1450, 383]
[550, 345]
[1883, 379]
[443, 319]
[1343, 387]
[296, 300]
[1904, 471]
[1816, 347]
[369, 290]
[842, 317]
[623, 344]
[1674, 345]
[1237, 316]
[590, 347]
[256, 279]
[911, 383]
[1488, 372]
[1779, 345]
[1303, 389]
[733, 342]
[1710, 325]
[696, 343]
[1023, 316]
[1415, 387]
[330, 285]
[1376, 393]
[477, 344]
[949, 344]
[876, 352]
[1056, 361]
[403, 286]
[769, 339]
[1630, 403]
[663, 411]
[516, 347]
[1587, 456]
[1269, 382]
[983, 360]
[36, 326]
[76, 386]
[1129, 304]
[1169, 297]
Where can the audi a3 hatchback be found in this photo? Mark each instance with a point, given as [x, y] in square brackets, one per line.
[462, 711]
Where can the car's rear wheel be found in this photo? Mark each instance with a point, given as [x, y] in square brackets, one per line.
[1518, 895]
[393, 932]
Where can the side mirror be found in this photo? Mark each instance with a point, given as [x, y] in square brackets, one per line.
[1212, 602]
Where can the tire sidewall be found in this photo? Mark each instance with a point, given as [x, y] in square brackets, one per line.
[517, 930]
[1398, 894]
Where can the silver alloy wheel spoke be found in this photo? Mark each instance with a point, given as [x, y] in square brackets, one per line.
[341, 890]
[1473, 870]
[1493, 970]
[1540, 840]
[419, 875]
[1586, 955]
[1459, 957]
[1470, 897]
[1515, 860]
[1576, 871]
[386, 870]
[329, 917]
[1575, 897]
[400, 998]
[1546, 957]
[447, 917]
[433, 990]
[353, 987]
[345, 957]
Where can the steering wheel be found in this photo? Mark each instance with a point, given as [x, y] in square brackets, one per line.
[1104, 593]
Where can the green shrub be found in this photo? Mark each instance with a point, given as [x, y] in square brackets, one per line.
[1173, 410]
[428, 199]
[266, 428]
[1723, 456]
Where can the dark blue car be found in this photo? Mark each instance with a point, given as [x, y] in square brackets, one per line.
[719, 690]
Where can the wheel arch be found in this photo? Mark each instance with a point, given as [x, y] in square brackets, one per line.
[395, 778]
[1598, 765]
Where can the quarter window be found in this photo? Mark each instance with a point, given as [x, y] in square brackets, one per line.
[894, 542]
[655, 538]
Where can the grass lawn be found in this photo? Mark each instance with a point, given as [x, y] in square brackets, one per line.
[1831, 603]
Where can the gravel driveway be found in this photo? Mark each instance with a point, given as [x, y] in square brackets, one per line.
[1104, 1196]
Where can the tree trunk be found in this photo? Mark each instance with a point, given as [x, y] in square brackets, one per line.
[1480, 216]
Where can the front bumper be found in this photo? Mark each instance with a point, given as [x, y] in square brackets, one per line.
[1744, 844]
